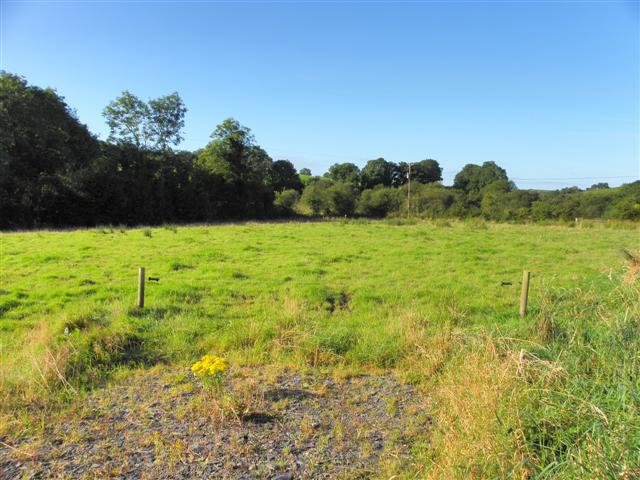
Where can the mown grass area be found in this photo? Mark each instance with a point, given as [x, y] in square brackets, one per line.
[556, 395]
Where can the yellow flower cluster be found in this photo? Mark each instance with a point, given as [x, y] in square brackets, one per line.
[210, 366]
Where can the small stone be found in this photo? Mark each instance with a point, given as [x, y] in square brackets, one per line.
[284, 476]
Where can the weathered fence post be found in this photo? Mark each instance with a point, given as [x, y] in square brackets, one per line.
[525, 292]
[141, 287]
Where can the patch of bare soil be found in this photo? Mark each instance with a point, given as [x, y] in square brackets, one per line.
[263, 425]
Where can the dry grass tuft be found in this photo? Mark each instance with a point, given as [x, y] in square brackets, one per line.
[632, 266]
[475, 435]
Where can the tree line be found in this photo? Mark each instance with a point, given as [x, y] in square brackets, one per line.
[54, 172]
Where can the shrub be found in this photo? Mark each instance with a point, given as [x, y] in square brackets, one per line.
[341, 199]
[379, 202]
[314, 198]
[286, 201]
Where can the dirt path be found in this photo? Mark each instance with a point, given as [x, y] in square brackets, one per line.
[265, 425]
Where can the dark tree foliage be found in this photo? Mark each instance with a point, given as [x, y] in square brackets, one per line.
[344, 172]
[379, 202]
[244, 167]
[342, 198]
[425, 171]
[315, 198]
[501, 202]
[285, 202]
[283, 176]
[473, 178]
[380, 172]
[43, 147]
[566, 204]
[54, 172]
[433, 200]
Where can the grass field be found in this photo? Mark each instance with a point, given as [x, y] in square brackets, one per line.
[555, 395]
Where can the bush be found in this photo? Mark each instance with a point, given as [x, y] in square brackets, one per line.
[286, 201]
[379, 202]
[342, 198]
[433, 200]
[314, 198]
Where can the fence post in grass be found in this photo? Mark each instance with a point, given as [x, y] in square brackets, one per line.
[141, 287]
[525, 292]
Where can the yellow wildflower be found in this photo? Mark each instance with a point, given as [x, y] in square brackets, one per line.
[210, 366]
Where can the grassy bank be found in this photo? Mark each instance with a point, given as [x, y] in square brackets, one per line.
[554, 396]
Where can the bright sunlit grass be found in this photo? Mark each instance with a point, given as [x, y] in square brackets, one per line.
[422, 298]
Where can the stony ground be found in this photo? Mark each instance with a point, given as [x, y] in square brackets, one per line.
[272, 425]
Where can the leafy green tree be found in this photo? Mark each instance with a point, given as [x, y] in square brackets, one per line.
[379, 202]
[626, 205]
[342, 198]
[166, 120]
[424, 171]
[283, 176]
[308, 179]
[127, 118]
[305, 171]
[244, 167]
[380, 172]
[43, 146]
[53, 172]
[315, 199]
[234, 155]
[626, 209]
[433, 200]
[344, 172]
[494, 199]
[285, 201]
[473, 178]
[258, 166]
[560, 204]
[157, 124]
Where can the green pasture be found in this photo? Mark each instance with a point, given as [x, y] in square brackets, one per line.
[361, 295]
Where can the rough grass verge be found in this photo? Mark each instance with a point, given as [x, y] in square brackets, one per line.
[562, 402]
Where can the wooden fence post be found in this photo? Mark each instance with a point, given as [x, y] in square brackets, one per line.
[141, 287]
[525, 292]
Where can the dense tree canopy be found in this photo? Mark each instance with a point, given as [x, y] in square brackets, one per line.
[344, 172]
[424, 171]
[155, 125]
[127, 118]
[43, 150]
[166, 120]
[473, 178]
[54, 172]
[380, 172]
[283, 176]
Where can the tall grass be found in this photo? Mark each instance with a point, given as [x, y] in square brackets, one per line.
[560, 402]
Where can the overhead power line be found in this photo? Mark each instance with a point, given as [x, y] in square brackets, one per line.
[576, 178]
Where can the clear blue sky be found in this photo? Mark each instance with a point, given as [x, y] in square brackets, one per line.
[548, 90]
